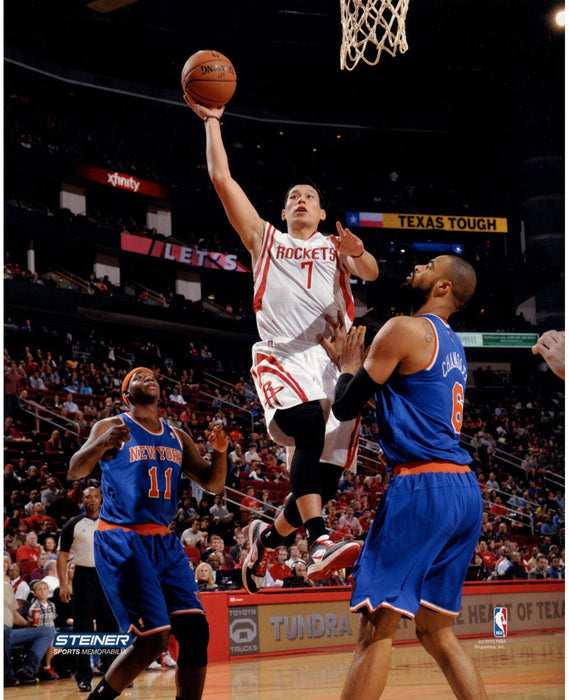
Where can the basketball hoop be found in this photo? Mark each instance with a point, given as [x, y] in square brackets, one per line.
[370, 27]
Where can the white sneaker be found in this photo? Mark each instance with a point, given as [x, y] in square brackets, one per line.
[169, 661]
[327, 556]
[154, 666]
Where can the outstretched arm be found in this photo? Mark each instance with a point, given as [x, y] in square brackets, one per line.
[107, 434]
[357, 260]
[241, 213]
[551, 346]
[209, 475]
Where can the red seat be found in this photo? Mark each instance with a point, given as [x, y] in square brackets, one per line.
[193, 553]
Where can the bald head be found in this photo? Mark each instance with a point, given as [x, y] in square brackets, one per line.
[462, 276]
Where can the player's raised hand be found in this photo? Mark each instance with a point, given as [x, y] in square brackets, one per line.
[347, 243]
[202, 111]
[335, 344]
[217, 438]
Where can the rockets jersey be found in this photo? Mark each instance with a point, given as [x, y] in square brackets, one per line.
[140, 483]
[419, 415]
[296, 283]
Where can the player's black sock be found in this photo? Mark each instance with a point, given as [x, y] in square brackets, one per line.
[271, 538]
[103, 692]
[314, 528]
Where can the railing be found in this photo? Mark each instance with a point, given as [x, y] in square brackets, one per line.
[42, 414]
[263, 504]
[217, 382]
[71, 278]
[149, 294]
[510, 461]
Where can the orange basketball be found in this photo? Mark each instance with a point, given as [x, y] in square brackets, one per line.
[208, 77]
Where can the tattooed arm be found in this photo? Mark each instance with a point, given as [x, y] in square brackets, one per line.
[404, 343]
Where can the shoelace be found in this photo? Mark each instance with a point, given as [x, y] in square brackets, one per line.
[261, 565]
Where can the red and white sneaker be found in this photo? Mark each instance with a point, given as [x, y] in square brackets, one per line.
[327, 556]
[256, 562]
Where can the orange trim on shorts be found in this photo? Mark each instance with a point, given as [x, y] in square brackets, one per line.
[145, 529]
[429, 467]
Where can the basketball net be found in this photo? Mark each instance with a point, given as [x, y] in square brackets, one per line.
[370, 27]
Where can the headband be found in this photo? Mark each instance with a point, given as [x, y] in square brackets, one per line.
[129, 376]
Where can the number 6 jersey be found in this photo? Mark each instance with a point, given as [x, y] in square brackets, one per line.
[419, 415]
[140, 482]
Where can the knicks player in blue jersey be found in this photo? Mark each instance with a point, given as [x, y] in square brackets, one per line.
[415, 557]
[142, 566]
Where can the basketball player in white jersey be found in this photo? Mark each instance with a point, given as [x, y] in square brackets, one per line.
[300, 277]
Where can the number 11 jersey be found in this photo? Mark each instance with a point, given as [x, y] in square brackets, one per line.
[140, 482]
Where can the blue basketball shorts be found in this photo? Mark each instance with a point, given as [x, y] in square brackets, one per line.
[145, 578]
[420, 543]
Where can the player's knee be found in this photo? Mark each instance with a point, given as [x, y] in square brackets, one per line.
[305, 423]
[152, 645]
[192, 632]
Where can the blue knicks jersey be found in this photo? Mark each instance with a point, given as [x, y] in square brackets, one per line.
[140, 483]
[419, 415]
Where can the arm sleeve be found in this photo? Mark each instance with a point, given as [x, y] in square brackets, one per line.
[352, 392]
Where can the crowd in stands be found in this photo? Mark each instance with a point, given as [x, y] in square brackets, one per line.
[53, 398]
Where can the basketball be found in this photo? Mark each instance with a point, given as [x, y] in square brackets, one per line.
[208, 77]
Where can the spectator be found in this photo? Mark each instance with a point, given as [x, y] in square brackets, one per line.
[221, 518]
[346, 483]
[492, 484]
[176, 397]
[185, 514]
[517, 570]
[14, 381]
[47, 615]
[19, 585]
[38, 573]
[349, 524]
[51, 493]
[239, 546]
[555, 568]
[249, 507]
[36, 640]
[217, 546]
[541, 569]
[50, 576]
[300, 569]
[204, 577]
[487, 555]
[279, 570]
[69, 407]
[29, 551]
[365, 521]
[504, 564]
[53, 444]
[36, 383]
[477, 571]
[193, 536]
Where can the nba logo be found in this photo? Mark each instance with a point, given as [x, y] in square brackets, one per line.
[500, 622]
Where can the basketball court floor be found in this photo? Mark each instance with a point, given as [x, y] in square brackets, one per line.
[521, 668]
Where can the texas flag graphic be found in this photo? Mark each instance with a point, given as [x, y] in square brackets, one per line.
[500, 622]
[364, 219]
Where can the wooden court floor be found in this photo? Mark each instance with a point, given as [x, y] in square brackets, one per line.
[522, 668]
